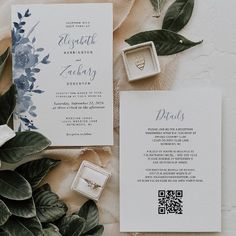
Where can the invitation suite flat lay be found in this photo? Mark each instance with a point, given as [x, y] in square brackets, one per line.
[62, 68]
[170, 161]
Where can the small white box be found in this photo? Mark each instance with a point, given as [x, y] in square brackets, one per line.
[141, 61]
[90, 180]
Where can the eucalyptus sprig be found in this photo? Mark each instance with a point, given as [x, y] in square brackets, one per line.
[167, 41]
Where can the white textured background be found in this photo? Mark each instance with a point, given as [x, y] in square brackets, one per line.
[213, 64]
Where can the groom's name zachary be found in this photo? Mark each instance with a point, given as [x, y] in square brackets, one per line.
[163, 114]
[75, 71]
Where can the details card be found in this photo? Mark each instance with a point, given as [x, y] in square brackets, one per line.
[62, 68]
[170, 161]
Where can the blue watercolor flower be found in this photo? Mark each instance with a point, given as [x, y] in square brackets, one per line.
[22, 83]
[23, 104]
[25, 64]
[24, 57]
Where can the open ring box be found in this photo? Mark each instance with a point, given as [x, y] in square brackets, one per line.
[90, 180]
[141, 61]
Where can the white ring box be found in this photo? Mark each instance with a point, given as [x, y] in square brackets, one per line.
[141, 61]
[90, 173]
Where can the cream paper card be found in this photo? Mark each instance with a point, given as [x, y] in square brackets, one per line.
[170, 161]
[62, 68]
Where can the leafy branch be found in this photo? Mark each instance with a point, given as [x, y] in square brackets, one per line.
[167, 41]
[35, 210]
[30, 209]
[26, 208]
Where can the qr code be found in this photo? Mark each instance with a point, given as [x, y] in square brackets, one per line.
[170, 201]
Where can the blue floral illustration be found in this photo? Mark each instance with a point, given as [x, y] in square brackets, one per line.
[26, 62]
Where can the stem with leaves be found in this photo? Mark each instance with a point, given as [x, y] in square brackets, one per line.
[167, 41]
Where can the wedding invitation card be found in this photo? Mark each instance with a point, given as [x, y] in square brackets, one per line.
[170, 161]
[62, 68]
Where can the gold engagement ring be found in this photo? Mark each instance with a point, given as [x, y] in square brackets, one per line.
[92, 184]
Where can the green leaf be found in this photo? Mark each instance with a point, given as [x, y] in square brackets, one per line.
[13, 186]
[45, 187]
[96, 231]
[35, 171]
[16, 226]
[71, 225]
[51, 230]
[157, 4]
[3, 59]
[4, 213]
[89, 212]
[7, 104]
[25, 209]
[2, 233]
[48, 206]
[166, 42]
[178, 15]
[23, 144]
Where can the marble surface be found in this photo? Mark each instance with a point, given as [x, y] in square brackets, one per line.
[211, 64]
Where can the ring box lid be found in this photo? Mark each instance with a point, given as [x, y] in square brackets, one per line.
[141, 61]
[95, 174]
